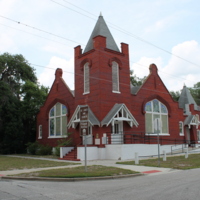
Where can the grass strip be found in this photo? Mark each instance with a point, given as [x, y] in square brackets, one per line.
[11, 163]
[78, 172]
[175, 162]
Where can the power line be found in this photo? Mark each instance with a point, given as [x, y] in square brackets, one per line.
[38, 29]
[128, 33]
[34, 35]
[58, 36]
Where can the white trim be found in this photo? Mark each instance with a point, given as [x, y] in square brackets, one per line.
[160, 113]
[54, 120]
[86, 93]
[62, 136]
[181, 134]
[164, 134]
[117, 92]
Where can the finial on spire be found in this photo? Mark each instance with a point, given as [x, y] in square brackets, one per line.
[100, 15]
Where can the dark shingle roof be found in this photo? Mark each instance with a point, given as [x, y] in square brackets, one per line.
[101, 29]
[185, 98]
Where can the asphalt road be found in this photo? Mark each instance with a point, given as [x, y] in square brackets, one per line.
[179, 185]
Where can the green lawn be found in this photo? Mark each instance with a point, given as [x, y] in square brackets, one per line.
[10, 163]
[175, 162]
[77, 172]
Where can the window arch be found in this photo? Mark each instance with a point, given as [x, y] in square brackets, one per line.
[115, 77]
[156, 118]
[58, 120]
[86, 69]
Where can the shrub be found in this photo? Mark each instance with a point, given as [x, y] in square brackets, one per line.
[44, 150]
[32, 148]
[38, 149]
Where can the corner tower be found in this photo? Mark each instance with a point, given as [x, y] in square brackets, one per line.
[102, 74]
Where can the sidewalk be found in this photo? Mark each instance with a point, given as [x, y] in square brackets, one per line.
[112, 163]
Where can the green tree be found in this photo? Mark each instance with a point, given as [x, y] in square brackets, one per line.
[195, 92]
[20, 99]
[136, 81]
[175, 95]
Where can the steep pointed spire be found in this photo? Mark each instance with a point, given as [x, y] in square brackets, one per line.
[185, 98]
[101, 29]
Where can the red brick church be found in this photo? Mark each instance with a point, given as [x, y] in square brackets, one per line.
[123, 118]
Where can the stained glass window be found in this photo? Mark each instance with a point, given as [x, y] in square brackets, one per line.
[86, 78]
[156, 117]
[58, 120]
[148, 106]
[115, 77]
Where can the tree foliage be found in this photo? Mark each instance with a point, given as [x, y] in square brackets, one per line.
[175, 95]
[20, 99]
[136, 81]
[195, 92]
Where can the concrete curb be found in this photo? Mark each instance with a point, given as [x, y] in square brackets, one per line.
[71, 179]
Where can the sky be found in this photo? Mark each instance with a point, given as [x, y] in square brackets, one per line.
[164, 32]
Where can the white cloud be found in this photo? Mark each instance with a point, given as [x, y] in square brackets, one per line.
[183, 72]
[7, 6]
[47, 77]
[165, 22]
[141, 68]
[178, 71]
[7, 44]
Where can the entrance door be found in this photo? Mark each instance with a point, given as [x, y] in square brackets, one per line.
[188, 135]
[117, 133]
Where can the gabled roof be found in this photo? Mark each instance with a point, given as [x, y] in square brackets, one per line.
[114, 115]
[185, 98]
[192, 120]
[101, 29]
[135, 89]
[76, 117]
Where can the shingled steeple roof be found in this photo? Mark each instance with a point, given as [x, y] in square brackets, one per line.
[101, 29]
[185, 98]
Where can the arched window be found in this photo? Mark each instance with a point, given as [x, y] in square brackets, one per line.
[156, 118]
[58, 120]
[86, 78]
[181, 130]
[40, 132]
[115, 77]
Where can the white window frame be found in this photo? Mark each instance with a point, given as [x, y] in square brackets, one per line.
[40, 132]
[86, 80]
[198, 136]
[159, 122]
[115, 77]
[181, 133]
[54, 121]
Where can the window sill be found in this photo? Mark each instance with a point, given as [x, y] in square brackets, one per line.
[155, 134]
[86, 93]
[39, 137]
[116, 92]
[61, 136]
[181, 134]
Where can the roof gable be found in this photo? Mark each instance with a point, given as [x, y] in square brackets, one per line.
[75, 119]
[185, 98]
[121, 113]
